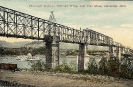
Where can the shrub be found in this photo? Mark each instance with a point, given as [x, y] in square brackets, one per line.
[41, 66]
[72, 65]
[114, 67]
[92, 67]
[63, 67]
[126, 70]
[103, 66]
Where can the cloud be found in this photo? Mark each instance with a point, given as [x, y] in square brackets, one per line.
[93, 25]
[34, 12]
[127, 25]
[107, 27]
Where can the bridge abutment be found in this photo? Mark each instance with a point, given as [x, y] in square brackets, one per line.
[52, 51]
[115, 52]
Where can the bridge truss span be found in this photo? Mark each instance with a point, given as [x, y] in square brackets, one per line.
[20, 25]
[96, 38]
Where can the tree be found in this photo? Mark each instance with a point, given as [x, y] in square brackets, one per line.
[126, 70]
[114, 67]
[103, 66]
[93, 67]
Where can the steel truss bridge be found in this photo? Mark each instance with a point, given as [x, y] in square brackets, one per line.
[21, 25]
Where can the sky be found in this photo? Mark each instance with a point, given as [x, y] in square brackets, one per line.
[112, 18]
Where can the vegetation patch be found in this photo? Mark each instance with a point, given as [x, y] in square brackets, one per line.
[112, 67]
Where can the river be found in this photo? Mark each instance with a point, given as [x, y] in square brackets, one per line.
[23, 64]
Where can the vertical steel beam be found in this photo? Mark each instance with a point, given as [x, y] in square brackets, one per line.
[16, 25]
[31, 26]
[38, 28]
[24, 29]
[7, 25]
[4, 22]
[44, 29]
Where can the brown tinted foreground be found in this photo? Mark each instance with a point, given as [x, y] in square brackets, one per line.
[43, 79]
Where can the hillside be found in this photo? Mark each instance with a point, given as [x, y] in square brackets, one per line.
[37, 44]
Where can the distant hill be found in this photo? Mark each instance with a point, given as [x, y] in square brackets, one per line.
[38, 44]
[13, 44]
[6, 44]
[19, 44]
[35, 44]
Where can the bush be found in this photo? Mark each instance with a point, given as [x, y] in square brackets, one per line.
[63, 67]
[103, 66]
[126, 71]
[41, 66]
[72, 65]
[114, 67]
[92, 67]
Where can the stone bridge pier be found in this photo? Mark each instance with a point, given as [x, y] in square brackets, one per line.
[115, 52]
[118, 52]
[81, 56]
[111, 52]
[52, 51]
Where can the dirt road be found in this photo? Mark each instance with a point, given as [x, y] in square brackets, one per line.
[43, 79]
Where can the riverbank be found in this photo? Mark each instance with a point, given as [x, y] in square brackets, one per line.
[41, 79]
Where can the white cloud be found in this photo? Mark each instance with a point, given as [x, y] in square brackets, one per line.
[36, 13]
[93, 25]
[127, 25]
[107, 27]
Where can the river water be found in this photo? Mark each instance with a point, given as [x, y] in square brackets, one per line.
[23, 64]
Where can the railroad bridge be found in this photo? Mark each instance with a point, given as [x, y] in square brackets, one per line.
[21, 25]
